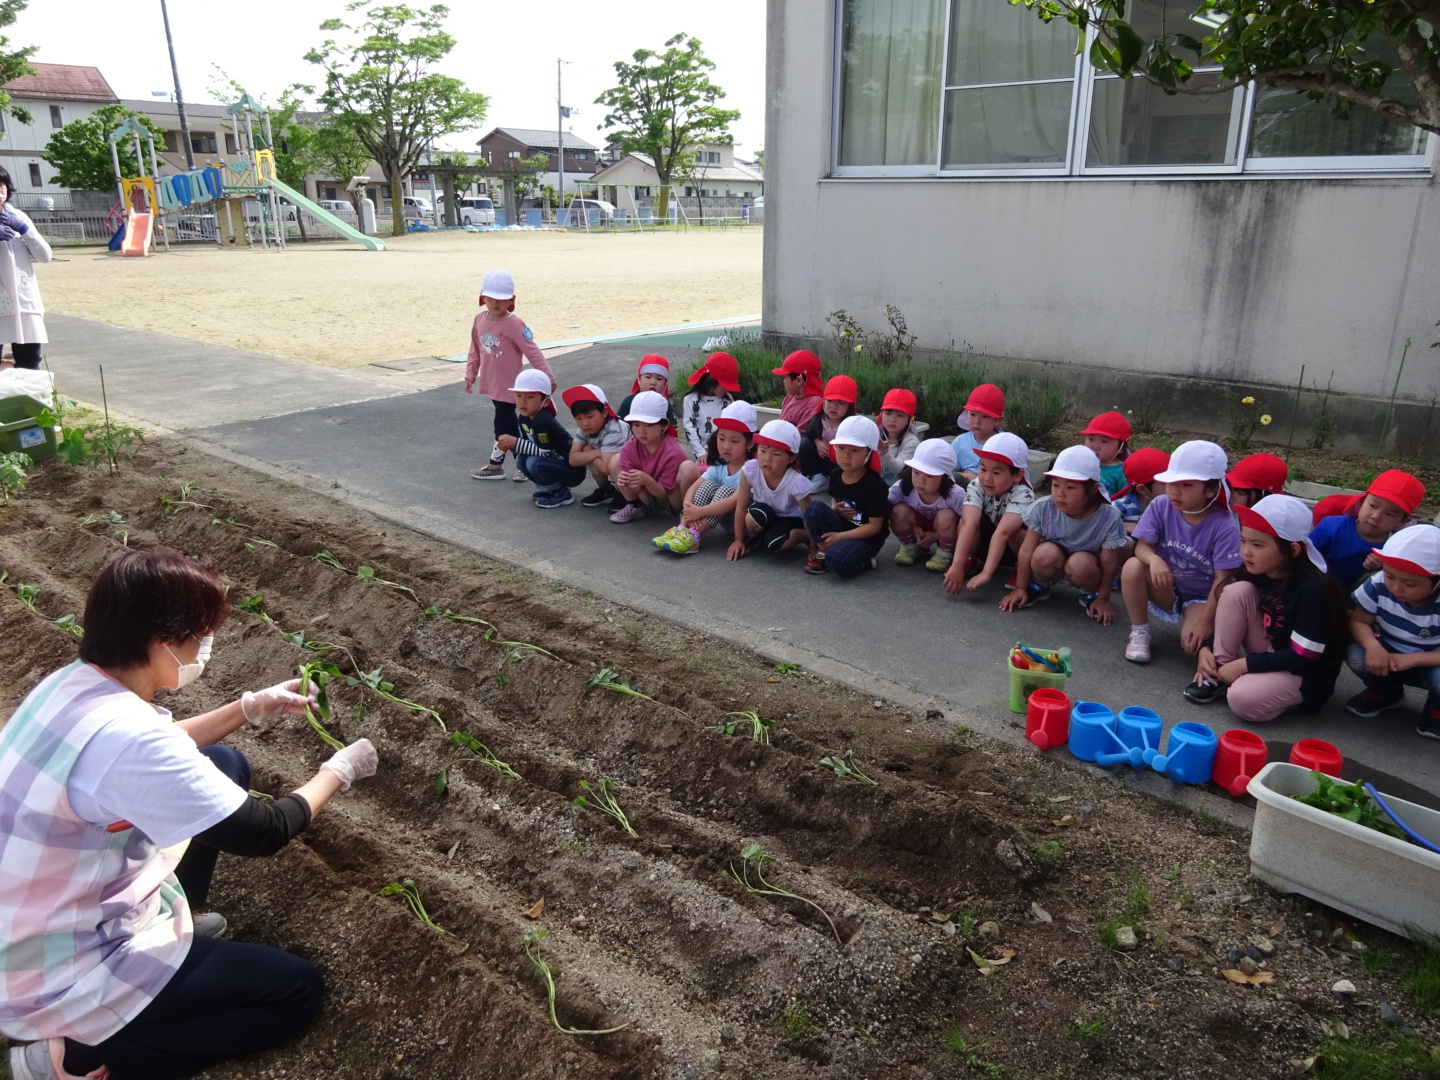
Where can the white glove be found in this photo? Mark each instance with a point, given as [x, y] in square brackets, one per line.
[355, 762]
[276, 701]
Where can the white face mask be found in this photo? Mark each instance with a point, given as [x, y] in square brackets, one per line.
[190, 672]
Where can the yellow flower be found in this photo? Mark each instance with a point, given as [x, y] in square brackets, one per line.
[1247, 401]
[858, 348]
[1265, 419]
[844, 333]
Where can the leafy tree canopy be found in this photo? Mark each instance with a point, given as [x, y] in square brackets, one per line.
[13, 62]
[80, 151]
[1382, 55]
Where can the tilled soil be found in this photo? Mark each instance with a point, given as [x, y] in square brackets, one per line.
[963, 852]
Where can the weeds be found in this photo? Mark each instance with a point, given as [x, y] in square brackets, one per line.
[753, 854]
[799, 1024]
[845, 331]
[1245, 416]
[1376, 962]
[14, 467]
[27, 594]
[1048, 851]
[787, 668]
[1322, 426]
[1137, 905]
[973, 1055]
[1423, 980]
[411, 895]
[605, 803]
[609, 679]
[1034, 410]
[1171, 873]
[760, 727]
[478, 752]
[965, 923]
[1399, 1058]
[845, 767]
[533, 940]
[1087, 1029]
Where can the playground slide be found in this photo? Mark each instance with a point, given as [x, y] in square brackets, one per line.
[137, 234]
[349, 233]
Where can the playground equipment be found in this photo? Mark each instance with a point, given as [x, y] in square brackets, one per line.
[246, 183]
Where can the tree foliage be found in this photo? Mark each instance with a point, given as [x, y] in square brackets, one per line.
[665, 106]
[381, 84]
[1382, 55]
[13, 62]
[80, 151]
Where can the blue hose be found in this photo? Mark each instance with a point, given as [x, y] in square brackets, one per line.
[1380, 801]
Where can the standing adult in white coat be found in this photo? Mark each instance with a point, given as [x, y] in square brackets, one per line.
[22, 314]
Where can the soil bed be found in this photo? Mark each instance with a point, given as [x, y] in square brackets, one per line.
[963, 844]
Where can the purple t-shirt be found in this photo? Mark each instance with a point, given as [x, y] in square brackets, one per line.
[661, 466]
[1193, 552]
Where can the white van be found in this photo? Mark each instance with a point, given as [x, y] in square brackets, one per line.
[589, 207]
[475, 210]
[414, 207]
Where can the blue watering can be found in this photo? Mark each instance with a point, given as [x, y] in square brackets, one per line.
[1092, 730]
[1191, 754]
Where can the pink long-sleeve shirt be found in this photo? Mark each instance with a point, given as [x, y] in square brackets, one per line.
[498, 349]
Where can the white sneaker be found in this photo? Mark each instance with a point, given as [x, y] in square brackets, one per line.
[1138, 649]
[34, 1061]
[211, 924]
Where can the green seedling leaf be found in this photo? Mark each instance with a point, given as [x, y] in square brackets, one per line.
[609, 679]
[28, 594]
[72, 449]
[502, 680]
[406, 890]
[787, 668]
[367, 573]
[478, 752]
[230, 520]
[111, 518]
[533, 938]
[752, 858]
[605, 803]
[252, 546]
[330, 560]
[845, 766]
[14, 467]
[1350, 802]
[434, 609]
[760, 727]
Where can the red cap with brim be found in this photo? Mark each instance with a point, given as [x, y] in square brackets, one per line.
[587, 392]
[986, 398]
[1333, 506]
[1398, 487]
[1264, 472]
[841, 388]
[1112, 425]
[723, 368]
[651, 364]
[1141, 467]
[803, 362]
[1415, 550]
[900, 400]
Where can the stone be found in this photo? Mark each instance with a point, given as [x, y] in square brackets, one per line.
[989, 930]
[1046, 1003]
[1253, 952]
[1041, 914]
[1343, 988]
[1175, 964]
[1388, 1015]
[950, 929]
[1006, 852]
[1125, 938]
[1264, 946]
[1248, 966]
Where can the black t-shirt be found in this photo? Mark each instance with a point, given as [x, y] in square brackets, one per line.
[869, 496]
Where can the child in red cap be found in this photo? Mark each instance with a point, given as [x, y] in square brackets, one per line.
[1396, 626]
[1348, 540]
[716, 384]
[898, 437]
[840, 395]
[984, 415]
[597, 447]
[1256, 476]
[1141, 487]
[653, 374]
[804, 394]
[1108, 435]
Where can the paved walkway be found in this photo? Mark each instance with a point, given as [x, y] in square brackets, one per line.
[405, 451]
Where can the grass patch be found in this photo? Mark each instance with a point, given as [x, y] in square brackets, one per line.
[1049, 851]
[972, 1054]
[1088, 1029]
[1362, 1058]
[1423, 980]
[798, 1022]
[1375, 962]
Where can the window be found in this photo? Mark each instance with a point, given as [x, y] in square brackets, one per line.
[712, 157]
[35, 180]
[976, 87]
[170, 142]
[642, 192]
[2, 123]
[385, 191]
[330, 194]
[203, 142]
[230, 147]
[55, 119]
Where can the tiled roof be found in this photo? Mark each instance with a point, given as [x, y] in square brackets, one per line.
[542, 139]
[62, 82]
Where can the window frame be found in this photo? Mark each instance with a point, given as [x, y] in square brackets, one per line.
[1421, 165]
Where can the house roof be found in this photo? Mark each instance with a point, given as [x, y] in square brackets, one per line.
[542, 139]
[738, 172]
[63, 82]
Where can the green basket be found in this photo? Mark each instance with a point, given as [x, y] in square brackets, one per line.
[19, 431]
[1024, 682]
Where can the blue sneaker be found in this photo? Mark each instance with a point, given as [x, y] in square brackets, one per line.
[549, 500]
[1429, 726]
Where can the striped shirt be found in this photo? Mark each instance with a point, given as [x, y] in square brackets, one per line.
[1402, 628]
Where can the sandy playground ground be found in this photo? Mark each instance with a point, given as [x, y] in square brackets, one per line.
[337, 305]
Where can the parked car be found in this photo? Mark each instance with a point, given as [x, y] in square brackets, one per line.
[416, 207]
[476, 210]
[590, 206]
[336, 206]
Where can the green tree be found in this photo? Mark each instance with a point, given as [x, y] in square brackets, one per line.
[80, 151]
[13, 61]
[381, 84]
[665, 107]
[1382, 55]
[338, 151]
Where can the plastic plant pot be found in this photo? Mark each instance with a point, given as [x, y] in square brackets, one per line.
[1240, 755]
[1190, 754]
[1092, 730]
[1319, 755]
[1047, 717]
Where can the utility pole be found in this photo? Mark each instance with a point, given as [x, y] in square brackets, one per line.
[179, 97]
[560, 134]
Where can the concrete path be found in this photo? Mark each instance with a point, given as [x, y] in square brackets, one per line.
[406, 452]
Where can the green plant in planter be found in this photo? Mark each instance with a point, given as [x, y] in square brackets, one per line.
[1351, 802]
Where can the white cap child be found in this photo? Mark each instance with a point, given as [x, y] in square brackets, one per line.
[498, 285]
[648, 407]
[1415, 550]
[739, 416]
[1285, 518]
[1078, 463]
[1199, 460]
[934, 457]
[1009, 449]
[531, 380]
[859, 431]
[781, 434]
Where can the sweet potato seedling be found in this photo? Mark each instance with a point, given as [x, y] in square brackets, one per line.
[230, 520]
[27, 594]
[605, 803]
[846, 767]
[373, 681]
[318, 673]
[330, 560]
[367, 573]
[171, 507]
[434, 609]
[411, 895]
[252, 546]
[609, 679]
[14, 467]
[533, 938]
[760, 727]
[478, 752]
[751, 854]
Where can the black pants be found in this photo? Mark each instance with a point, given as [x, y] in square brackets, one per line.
[774, 529]
[811, 463]
[26, 356]
[228, 999]
[507, 421]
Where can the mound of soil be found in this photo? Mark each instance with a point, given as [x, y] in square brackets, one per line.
[968, 895]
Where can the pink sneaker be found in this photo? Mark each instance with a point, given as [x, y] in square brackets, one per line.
[1138, 649]
[628, 513]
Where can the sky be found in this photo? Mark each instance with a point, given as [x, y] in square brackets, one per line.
[502, 50]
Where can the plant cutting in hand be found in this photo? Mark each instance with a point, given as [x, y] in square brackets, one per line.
[1351, 802]
[533, 938]
[609, 679]
[172, 507]
[28, 594]
[318, 673]
[752, 855]
[411, 895]
[14, 466]
[846, 767]
[478, 752]
[760, 727]
[605, 803]
[367, 573]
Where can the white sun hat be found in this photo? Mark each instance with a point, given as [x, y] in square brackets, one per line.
[1078, 463]
[935, 457]
[739, 416]
[1415, 550]
[648, 407]
[780, 434]
[531, 381]
[1199, 460]
[1010, 449]
[857, 431]
[1285, 518]
[498, 285]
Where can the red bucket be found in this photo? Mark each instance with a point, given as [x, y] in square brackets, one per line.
[1317, 754]
[1047, 717]
[1240, 755]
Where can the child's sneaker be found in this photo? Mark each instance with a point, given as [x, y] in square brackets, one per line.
[819, 484]
[816, 565]
[906, 555]
[492, 471]
[1429, 726]
[1034, 593]
[686, 541]
[628, 513]
[520, 477]
[1204, 691]
[941, 560]
[601, 496]
[549, 500]
[1138, 649]
[1370, 703]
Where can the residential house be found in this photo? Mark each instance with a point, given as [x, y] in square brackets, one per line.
[959, 159]
[632, 182]
[581, 158]
[54, 96]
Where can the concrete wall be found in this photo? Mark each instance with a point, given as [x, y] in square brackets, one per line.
[1234, 279]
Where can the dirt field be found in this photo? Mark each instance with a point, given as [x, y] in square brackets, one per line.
[964, 849]
[334, 304]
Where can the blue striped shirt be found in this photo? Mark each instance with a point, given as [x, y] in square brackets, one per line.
[1402, 628]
